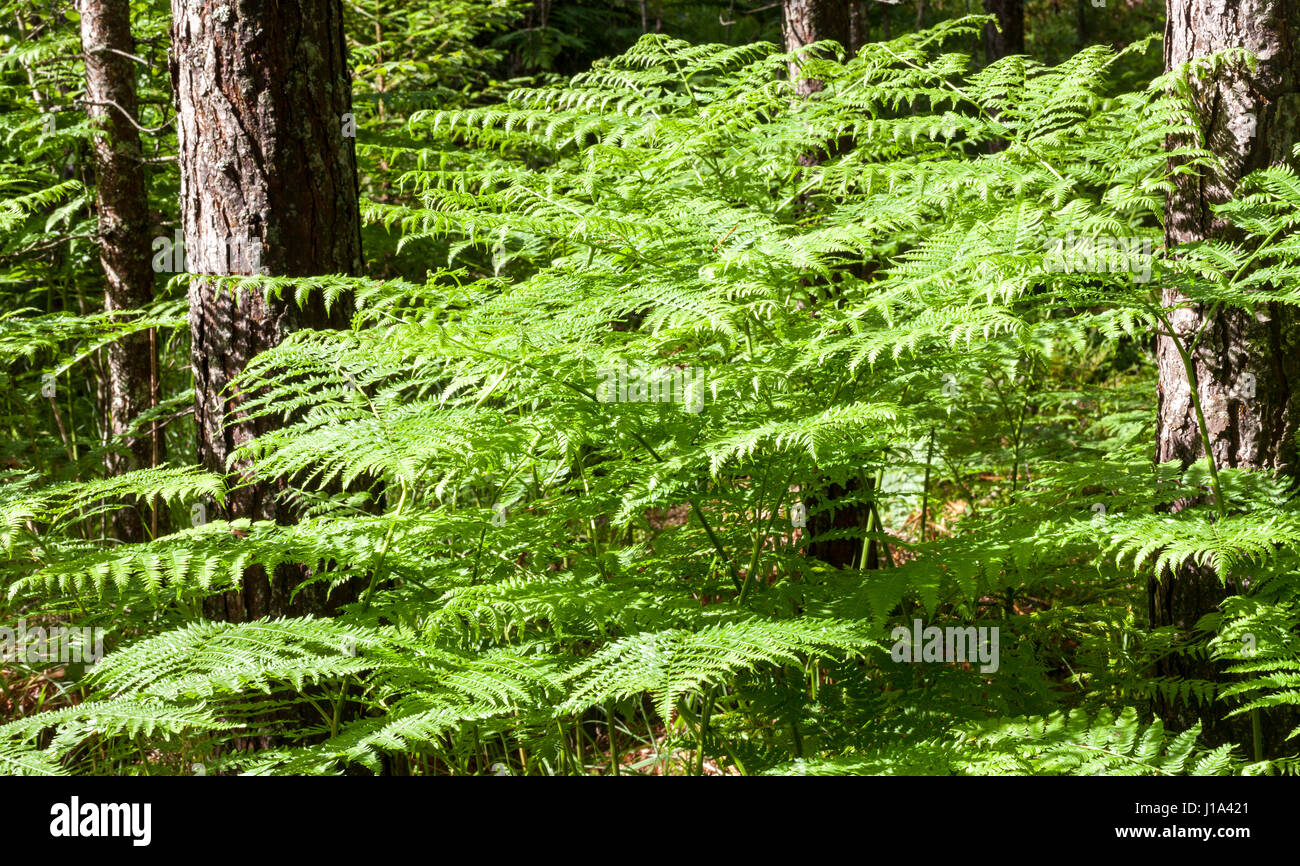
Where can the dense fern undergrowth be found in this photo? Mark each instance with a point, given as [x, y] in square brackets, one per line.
[680, 331]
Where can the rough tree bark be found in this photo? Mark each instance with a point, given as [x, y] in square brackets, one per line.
[808, 21]
[1246, 362]
[1008, 37]
[268, 185]
[122, 208]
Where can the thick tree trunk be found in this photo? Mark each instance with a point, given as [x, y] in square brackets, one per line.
[268, 185]
[1245, 363]
[122, 208]
[1008, 37]
[808, 21]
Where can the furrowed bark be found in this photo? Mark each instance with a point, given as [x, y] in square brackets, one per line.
[122, 209]
[1247, 363]
[268, 185]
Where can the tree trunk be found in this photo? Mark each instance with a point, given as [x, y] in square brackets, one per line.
[805, 22]
[808, 21]
[834, 514]
[859, 24]
[1008, 37]
[122, 208]
[1003, 40]
[1245, 362]
[268, 185]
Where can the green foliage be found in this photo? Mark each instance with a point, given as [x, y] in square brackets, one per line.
[1077, 746]
[854, 289]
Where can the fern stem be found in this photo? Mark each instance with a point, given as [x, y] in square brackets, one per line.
[1193, 382]
[705, 711]
[613, 747]
[759, 536]
[1218, 305]
[925, 485]
[383, 553]
[338, 709]
[1256, 725]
